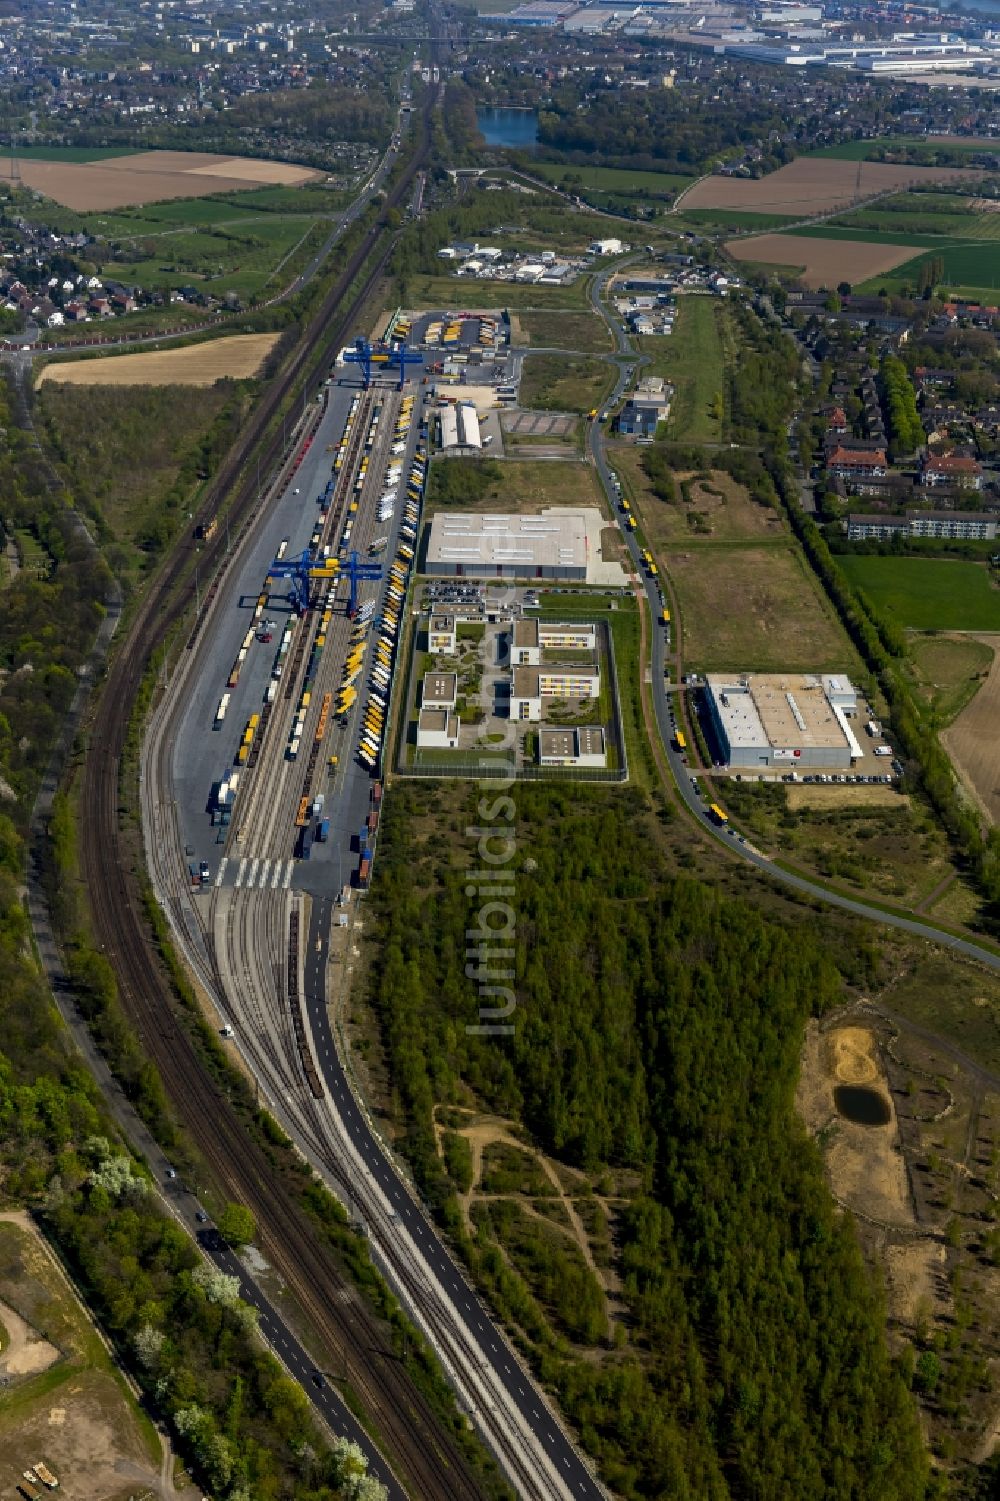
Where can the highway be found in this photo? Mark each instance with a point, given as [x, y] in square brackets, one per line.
[663, 699]
[262, 941]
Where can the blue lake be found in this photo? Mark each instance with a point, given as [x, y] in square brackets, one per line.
[509, 127]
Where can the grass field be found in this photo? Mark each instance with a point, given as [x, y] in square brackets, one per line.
[693, 360]
[870, 838]
[77, 1415]
[614, 180]
[949, 670]
[445, 292]
[733, 218]
[756, 609]
[564, 383]
[860, 151]
[955, 999]
[250, 243]
[524, 485]
[925, 594]
[585, 332]
[707, 512]
[234, 358]
[973, 743]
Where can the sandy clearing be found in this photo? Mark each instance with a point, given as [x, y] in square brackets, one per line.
[915, 1274]
[28, 1353]
[236, 358]
[854, 795]
[974, 743]
[824, 263]
[152, 176]
[865, 1163]
[813, 185]
[853, 1055]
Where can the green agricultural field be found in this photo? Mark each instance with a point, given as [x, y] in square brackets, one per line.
[732, 218]
[949, 670]
[927, 594]
[74, 153]
[863, 151]
[613, 180]
[842, 231]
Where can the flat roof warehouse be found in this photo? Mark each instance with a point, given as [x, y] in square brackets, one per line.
[554, 543]
[801, 719]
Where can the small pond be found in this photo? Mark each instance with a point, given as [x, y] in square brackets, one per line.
[866, 1107]
[510, 127]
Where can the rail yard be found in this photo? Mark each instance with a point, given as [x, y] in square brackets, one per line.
[262, 798]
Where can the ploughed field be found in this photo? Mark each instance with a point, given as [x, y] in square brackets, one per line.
[816, 185]
[823, 263]
[235, 358]
[151, 176]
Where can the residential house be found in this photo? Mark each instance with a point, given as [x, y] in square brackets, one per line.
[855, 464]
[954, 469]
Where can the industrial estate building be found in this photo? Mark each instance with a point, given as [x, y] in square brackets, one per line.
[438, 725]
[437, 730]
[788, 721]
[532, 637]
[460, 426]
[529, 685]
[442, 634]
[552, 544]
[580, 747]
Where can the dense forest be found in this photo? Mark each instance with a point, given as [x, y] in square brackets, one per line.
[657, 1030]
[680, 130]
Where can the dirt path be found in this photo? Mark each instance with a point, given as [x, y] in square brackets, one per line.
[484, 1134]
[927, 902]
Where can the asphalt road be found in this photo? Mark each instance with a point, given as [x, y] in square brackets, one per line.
[665, 717]
[315, 1383]
[521, 1390]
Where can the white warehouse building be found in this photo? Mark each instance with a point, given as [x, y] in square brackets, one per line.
[784, 721]
[460, 427]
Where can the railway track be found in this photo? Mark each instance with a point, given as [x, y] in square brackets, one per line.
[423, 1452]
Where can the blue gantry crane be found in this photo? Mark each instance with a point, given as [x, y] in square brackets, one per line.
[366, 355]
[363, 354]
[303, 571]
[402, 357]
[358, 568]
